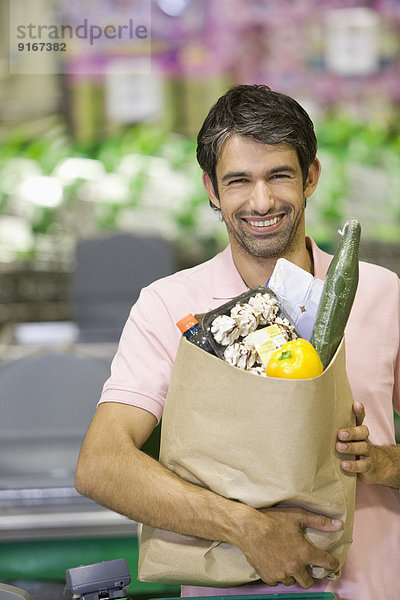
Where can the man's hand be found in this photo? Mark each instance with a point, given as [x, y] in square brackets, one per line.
[373, 464]
[279, 552]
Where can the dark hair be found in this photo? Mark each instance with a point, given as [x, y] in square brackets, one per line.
[258, 112]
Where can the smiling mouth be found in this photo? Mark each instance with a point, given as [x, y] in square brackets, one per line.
[264, 222]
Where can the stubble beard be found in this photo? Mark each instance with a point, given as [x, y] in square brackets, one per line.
[281, 243]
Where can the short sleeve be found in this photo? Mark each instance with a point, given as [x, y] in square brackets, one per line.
[141, 369]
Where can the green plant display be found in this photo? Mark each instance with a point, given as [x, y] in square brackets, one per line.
[53, 190]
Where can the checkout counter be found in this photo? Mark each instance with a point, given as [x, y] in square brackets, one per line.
[51, 374]
[46, 403]
[46, 527]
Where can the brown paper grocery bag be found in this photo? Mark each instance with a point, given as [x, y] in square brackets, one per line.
[262, 441]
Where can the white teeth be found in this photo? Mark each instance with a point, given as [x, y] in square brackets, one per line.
[265, 223]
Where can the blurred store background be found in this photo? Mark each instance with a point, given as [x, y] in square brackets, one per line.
[98, 173]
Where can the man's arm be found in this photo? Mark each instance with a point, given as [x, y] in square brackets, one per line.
[114, 472]
[378, 464]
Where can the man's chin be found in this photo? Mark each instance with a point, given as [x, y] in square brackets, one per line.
[263, 250]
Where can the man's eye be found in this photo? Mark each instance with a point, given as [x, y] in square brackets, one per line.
[241, 180]
[280, 176]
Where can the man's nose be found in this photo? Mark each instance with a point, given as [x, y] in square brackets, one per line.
[262, 198]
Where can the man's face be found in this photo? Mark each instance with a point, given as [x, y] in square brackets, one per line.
[262, 196]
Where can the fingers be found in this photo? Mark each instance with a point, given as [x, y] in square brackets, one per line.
[356, 466]
[287, 555]
[298, 572]
[285, 579]
[361, 432]
[359, 412]
[355, 441]
[356, 448]
[304, 579]
[325, 560]
[300, 576]
[301, 571]
[271, 583]
[319, 522]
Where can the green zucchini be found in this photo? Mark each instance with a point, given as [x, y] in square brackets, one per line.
[338, 294]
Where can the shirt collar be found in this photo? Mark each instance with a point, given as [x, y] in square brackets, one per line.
[227, 283]
[321, 259]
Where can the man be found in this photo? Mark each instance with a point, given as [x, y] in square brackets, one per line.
[257, 149]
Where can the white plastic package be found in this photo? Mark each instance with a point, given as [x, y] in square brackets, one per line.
[299, 294]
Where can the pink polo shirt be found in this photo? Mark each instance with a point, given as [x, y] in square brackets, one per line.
[141, 371]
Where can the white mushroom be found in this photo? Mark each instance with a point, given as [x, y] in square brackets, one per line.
[258, 370]
[264, 307]
[286, 328]
[240, 355]
[245, 318]
[224, 330]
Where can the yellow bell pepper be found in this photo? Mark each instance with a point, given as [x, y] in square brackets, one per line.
[297, 359]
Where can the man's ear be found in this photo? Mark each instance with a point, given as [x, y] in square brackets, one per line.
[312, 178]
[210, 190]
